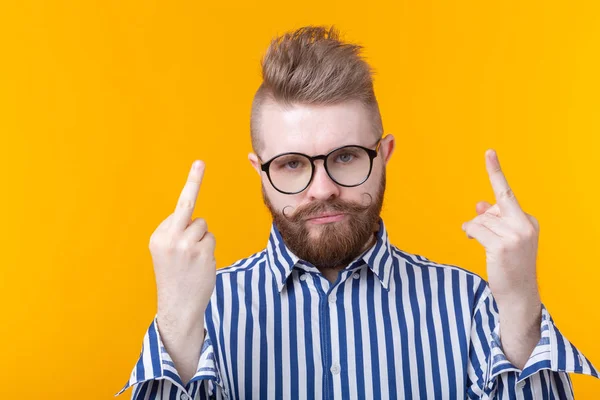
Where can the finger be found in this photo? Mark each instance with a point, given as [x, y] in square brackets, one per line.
[505, 198]
[493, 223]
[195, 231]
[494, 210]
[207, 244]
[164, 224]
[482, 207]
[187, 198]
[482, 234]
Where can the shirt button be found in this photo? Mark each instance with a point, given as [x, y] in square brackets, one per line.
[332, 299]
[303, 277]
[356, 275]
[335, 369]
[183, 396]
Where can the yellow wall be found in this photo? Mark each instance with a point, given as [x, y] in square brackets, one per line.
[104, 105]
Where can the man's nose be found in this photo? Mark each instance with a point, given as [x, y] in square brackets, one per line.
[322, 187]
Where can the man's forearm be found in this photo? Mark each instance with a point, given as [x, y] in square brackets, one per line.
[183, 343]
[520, 330]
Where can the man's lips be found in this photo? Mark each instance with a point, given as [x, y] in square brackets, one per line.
[325, 218]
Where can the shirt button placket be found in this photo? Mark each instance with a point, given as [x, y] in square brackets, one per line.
[334, 366]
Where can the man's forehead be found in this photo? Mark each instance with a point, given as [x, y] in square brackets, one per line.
[313, 129]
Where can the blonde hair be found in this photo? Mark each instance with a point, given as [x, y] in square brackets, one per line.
[311, 65]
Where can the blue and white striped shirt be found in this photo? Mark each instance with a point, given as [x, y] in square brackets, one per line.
[393, 325]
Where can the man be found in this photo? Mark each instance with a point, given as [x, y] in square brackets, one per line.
[330, 309]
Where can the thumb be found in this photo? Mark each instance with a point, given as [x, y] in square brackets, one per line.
[482, 207]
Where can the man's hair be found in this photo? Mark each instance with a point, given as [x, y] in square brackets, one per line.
[311, 65]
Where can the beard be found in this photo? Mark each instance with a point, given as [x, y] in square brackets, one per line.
[338, 243]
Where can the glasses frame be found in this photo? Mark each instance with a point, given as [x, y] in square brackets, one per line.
[372, 153]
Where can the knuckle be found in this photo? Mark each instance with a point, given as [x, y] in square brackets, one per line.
[185, 204]
[506, 194]
[469, 225]
[530, 232]
[183, 246]
[210, 238]
[202, 223]
[156, 241]
[535, 223]
[152, 241]
[162, 244]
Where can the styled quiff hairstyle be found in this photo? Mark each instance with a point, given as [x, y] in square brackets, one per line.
[311, 65]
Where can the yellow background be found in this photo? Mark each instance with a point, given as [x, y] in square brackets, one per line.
[105, 104]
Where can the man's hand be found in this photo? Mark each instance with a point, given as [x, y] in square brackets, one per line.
[510, 238]
[184, 265]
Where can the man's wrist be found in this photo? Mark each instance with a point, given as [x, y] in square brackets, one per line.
[519, 329]
[524, 310]
[179, 326]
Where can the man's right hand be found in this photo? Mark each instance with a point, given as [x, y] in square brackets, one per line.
[185, 269]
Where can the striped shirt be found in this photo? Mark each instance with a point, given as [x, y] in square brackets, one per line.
[393, 325]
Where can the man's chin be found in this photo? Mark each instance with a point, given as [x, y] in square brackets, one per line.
[317, 231]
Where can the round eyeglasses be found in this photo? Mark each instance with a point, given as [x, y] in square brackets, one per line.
[348, 166]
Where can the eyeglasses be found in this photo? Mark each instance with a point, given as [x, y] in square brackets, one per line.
[348, 166]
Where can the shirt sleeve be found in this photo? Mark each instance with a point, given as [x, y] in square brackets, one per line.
[154, 375]
[546, 373]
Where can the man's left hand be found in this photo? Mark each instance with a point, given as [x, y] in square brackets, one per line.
[510, 238]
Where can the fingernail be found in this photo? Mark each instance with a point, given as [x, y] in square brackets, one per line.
[196, 165]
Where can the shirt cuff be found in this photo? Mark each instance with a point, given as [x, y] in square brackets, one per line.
[156, 363]
[553, 352]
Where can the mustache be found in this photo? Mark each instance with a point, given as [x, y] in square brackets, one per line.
[317, 207]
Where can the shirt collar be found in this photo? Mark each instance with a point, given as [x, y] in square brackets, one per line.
[378, 257]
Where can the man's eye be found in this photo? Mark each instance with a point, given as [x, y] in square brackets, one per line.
[293, 164]
[347, 157]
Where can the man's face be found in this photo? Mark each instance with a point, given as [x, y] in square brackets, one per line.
[327, 224]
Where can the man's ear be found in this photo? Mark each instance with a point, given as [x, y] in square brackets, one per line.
[388, 144]
[253, 158]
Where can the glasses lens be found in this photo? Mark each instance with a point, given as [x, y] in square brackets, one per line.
[290, 172]
[349, 165]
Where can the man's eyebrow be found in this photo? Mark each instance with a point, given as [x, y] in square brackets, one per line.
[329, 150]
[351, 144]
